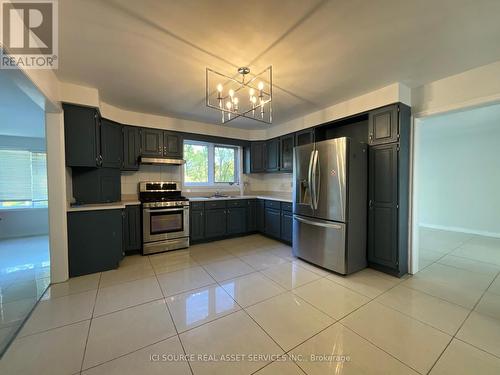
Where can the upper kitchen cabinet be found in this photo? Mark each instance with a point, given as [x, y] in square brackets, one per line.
[89, 140]
[111, 144]
[258, 157]
[273, 155]
[172, 145]
[131, 148]
[158, 143]
[287, 143]
[304, 137]
[152, 142]
[82, 136]
[383, 125]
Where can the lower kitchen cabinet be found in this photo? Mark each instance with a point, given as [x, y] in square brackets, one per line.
[236, 220]
[251, 215]
[132, 230]
[197, 225]
[215, 223]
[217, 219]
[273, 222]
[286, 226]
[95, 241]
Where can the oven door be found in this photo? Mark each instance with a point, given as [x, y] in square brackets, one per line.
[165, 223]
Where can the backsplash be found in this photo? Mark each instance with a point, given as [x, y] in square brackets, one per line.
[131, 179]
[271, 182]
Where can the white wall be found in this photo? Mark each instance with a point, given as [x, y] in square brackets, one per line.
[131, 179]
[459, 171]
[24, 222]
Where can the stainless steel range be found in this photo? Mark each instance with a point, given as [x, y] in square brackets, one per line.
[165, 216]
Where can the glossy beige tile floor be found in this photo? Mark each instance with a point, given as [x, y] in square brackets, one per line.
[247, 306]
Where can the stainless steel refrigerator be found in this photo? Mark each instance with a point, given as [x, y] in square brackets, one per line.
[329, 205]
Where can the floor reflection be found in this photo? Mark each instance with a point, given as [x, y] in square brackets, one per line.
[24, 277]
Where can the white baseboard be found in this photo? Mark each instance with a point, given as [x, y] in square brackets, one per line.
[460, 230]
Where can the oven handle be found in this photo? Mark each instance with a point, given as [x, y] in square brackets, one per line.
[166, 209]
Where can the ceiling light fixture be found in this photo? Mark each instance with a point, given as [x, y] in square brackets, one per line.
[247, 96]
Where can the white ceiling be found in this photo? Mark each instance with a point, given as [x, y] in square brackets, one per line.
[150, 56]
[19, 115]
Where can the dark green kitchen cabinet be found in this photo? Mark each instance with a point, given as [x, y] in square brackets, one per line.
[132, 230]
[95, 241]
[258, 157]
[286, 226]
[383, 125]
[251, 215]
[236, 220]
[273, 222]
[96, 185]
[215, 223]
[82, 136]
[131, 148]
[197, 225]
[172, 145]
[261, 215]
[273, 155]
[152, 142]
[111, 144]
[388, 192]
[159, 143]
[304, 137]
[286, 153]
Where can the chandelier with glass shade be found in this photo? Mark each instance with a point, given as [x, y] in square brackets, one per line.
[243, 95]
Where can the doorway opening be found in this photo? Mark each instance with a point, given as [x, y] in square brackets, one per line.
[24, 221]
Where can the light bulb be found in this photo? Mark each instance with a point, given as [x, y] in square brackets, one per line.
[253, 99]
[251, 92]
[261, 86]
[228, 105]
[231, 93]
[235, 101]
[219, 87]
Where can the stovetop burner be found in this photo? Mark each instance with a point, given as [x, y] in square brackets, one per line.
[160, 191]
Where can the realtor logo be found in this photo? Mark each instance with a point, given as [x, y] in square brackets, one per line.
[29, 34]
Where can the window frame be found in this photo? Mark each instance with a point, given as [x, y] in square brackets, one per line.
[211, 165]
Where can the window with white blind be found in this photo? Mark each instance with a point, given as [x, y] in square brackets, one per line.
[23, 179]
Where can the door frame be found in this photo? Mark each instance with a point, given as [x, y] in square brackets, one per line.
[416, 121]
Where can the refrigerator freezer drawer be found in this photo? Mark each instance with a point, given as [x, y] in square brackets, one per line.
[320, 242]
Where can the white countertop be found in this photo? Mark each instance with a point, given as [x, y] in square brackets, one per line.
[102, 206]
[272, 197]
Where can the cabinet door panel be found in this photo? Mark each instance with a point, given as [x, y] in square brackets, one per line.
[273, 222]
[304, 137]
[286, 150]
[81, 136]
[131, 148]
[251, 215]
[152, 142]
[383, 125]
[258, 157]
[286, 226]
[111, 144]
[383, 206]
[215, 223]
[272, 155]
[197, 225]
[132, 235]
[172, 145]
[261, 216]
[236, 220]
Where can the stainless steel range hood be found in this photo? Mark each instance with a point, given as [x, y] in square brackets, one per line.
[146, 160]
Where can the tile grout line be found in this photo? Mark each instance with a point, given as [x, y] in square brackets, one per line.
[463, 323]
[171, 318]
[90, 324]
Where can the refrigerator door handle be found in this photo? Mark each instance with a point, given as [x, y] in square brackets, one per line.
[324, 224]
[314, 192]
[310, 178]
[317, 180]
